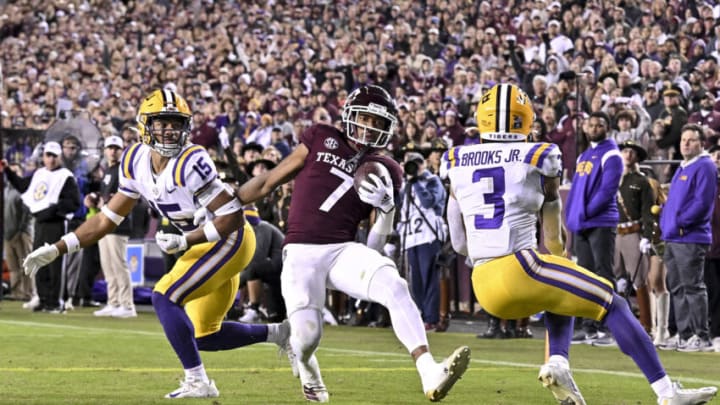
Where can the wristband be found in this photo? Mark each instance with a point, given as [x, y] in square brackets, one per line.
[71, 241]
[211, 233]
[115, 218]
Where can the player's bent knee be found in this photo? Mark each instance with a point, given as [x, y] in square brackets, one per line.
[387, 287]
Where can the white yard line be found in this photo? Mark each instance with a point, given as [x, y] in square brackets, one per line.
[364, 353]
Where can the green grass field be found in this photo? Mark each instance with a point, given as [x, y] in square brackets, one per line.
[78, 359]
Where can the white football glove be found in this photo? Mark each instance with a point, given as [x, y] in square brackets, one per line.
[224, 138]
[645, 246]
[202, 216]
[171, 243]
[379, 194]
[40, 257]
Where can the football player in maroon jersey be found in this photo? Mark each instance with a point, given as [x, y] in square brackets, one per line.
[320, 251]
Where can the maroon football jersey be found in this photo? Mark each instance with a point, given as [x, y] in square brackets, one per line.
[325, 207]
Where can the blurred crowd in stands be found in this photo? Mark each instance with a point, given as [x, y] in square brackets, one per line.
[258, 73]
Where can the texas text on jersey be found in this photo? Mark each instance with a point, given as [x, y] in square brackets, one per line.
[326, 181]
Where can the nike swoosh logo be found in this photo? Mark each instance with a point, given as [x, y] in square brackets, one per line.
[171, 191]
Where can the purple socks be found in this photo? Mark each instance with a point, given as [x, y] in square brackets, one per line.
[178, 330]
[232, 335]
[632, 339]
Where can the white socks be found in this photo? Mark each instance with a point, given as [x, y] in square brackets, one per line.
[273, 332]
[197, 374]
[560, 361]
[663, 387]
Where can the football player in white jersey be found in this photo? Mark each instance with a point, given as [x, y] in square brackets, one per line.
[178, 178]
[497, 188]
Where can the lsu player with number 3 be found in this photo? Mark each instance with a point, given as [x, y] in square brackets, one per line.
[497, 188]
[178, 178]
[320, 250]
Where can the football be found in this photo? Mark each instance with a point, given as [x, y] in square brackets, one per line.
[366, 168]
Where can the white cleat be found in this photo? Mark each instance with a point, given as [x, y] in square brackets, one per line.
[33, 303]
[122, 312]
[452, 370]
[195, 389]
[107, 310]
[285, 348]
[250, 316]
[316, 393]
[560, 382]
[690, 396]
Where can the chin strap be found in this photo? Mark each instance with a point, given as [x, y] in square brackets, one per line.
[356, 159]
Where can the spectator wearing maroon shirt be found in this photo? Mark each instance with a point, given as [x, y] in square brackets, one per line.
[706, 116]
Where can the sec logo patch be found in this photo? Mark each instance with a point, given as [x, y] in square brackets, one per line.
[331, 143]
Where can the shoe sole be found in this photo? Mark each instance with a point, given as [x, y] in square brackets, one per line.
[456, 369]
[559, 391]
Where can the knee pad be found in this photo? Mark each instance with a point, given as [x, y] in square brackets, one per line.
[387, 287]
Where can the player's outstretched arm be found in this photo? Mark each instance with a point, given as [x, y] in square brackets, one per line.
[260, 186]
[552, 224]
[456, 226]
[228, 218]
[92, 230]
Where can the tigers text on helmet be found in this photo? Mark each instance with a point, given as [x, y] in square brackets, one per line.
[164, 106]
[505, 114]
[375, 101]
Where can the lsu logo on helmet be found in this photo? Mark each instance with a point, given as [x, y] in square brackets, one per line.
[505, 114]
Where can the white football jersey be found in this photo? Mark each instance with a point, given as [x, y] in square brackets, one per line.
[188, 182]
[499, 189]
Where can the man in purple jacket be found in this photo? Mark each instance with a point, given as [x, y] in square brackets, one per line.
[685, 225]
[591, 213]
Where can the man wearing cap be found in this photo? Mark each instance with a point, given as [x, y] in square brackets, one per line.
[431, 45]
[113, 245]
[706, 116]
[558, 41]
[453, 130]
[651, 102]
[674, 117]
[423, 232]
[620, 50]
[52, 196]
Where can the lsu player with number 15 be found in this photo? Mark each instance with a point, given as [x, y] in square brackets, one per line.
[497, 188]
[177, 179]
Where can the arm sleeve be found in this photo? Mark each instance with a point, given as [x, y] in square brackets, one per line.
[609, 183]
[456, 227]
[21, 184]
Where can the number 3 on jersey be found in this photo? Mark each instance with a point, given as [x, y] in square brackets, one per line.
[491, 184]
